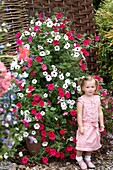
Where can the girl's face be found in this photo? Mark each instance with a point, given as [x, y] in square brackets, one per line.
[89, 87]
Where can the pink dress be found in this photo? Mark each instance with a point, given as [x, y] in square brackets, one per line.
[90, 139]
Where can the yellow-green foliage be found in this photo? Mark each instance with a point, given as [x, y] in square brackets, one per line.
[104, 23]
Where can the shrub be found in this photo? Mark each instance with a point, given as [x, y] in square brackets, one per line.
[104, 22]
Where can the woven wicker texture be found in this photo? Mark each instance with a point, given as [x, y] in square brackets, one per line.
[13, 13]
[80, 12]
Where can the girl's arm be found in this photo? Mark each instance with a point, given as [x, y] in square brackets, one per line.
[101, 118]
[79, 117]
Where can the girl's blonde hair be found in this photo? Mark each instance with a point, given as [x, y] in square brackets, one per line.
[81, 82]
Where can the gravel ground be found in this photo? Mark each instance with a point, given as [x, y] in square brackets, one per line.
[103, 159]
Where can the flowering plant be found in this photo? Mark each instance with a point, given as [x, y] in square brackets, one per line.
[50, 60]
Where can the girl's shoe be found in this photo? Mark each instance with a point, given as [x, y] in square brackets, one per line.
[90, 164]
[82, 165]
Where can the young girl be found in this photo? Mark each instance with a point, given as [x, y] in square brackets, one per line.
[89, 113]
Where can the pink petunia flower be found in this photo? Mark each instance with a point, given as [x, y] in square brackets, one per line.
[24, 160]
[45, 160]
[50, 87]
[44, 67]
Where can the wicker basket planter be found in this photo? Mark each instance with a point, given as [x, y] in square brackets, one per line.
[80, 12]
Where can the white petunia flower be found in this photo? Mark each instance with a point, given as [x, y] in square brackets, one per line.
[75, 79]
[28, 91]
[76, 54]
[73, 92]
[72, 102]
[62, 99]
[48, 78]
[27, 46]
[49, 40]
[12, 67]
[8, 117]
[47, 52]
[57, 37]
[66, 37]
[20, 95]
[74, 84]
[32, 21]
[67, 74]
[25, 134]
[25, 74]
[5, 30]
[57, 48]
[44, 144]
[78, 88]
[77, 49]
[71, 106]
[35, 140]
[20, 76]
[63, 104]
[22, 112]
[23, 84]
[3, 24]
[69, 101]
[26, 111]
[17, 67]
[53, 66]
[33, 34]
[71, 138]
[42, 53]
[67, 81]
[36, 126]
[20, 154]
[14, 122]
[6, 124]
[65, 86]
[8, 45]
[27, 33]
[45, 73]
[38, 23]
[40, 47]
[6, 155]
[34, 81]
[50, 24]
[67, 46]
[61, 76]
[17, 128]
[33, 132]
[54, 74]
[20, 138]
[45, 95]
[64, 108]
[42, 113]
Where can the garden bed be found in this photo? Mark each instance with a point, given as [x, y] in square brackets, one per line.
[103, 159]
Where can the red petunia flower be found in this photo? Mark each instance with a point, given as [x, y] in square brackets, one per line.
[38, 59]
[69, 148]
[73, 113]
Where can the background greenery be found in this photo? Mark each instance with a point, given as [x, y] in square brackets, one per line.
[104, 24]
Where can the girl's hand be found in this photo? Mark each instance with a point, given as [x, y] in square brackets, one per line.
[81, 129]
[101, 128]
